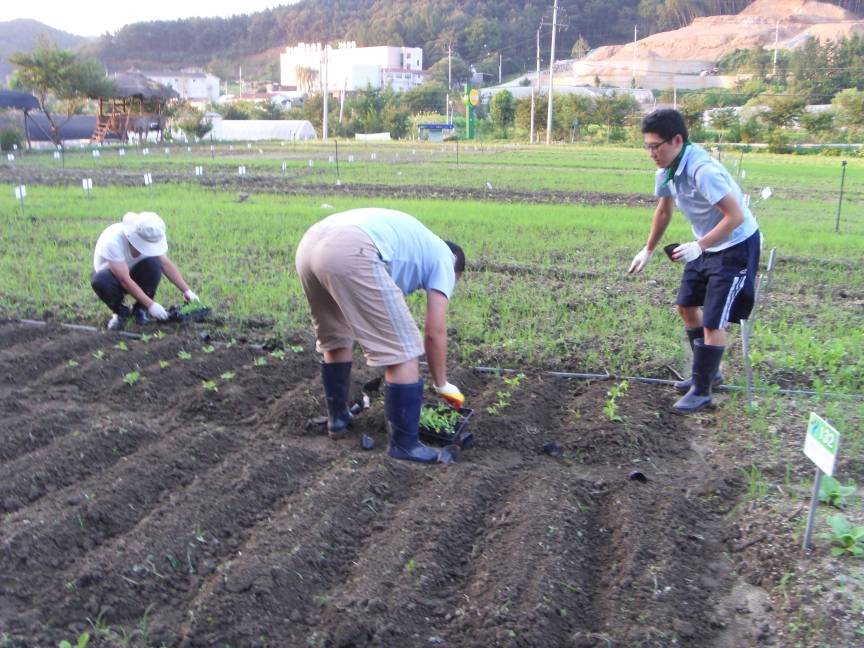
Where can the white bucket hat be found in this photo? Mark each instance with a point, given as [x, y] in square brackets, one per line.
[146, 233]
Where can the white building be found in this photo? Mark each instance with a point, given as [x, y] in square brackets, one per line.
[194, 85]
[349, 67]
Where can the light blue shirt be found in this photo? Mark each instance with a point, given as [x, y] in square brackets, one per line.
[699, 183]
[415, 257]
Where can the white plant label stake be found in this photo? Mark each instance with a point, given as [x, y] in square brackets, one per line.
[20, 193]
[199, 170]
[96, 153]
[121, 152]
[148, 179]
[87, 185]
[821, 447]
[56, 155]
[10, 157]
[241, 170]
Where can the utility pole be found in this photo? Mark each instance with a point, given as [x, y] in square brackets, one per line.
[326, 93]
[635, 32]
[449, 81]
[776, 42]
[551, 74]
[536, 83]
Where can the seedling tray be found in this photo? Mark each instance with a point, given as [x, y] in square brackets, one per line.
[442, 436]
[176, 314]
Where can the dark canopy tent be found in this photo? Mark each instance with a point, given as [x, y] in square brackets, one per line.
[136, 105]
[20, 101]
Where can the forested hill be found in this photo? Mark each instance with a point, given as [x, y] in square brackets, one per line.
[477, 30]
[22, 35]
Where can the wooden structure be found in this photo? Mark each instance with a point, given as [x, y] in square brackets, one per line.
[137, 106]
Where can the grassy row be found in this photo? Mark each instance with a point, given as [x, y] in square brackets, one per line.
[553, 289]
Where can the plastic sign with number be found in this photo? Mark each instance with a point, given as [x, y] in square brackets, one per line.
[822, 443]
[474, 96]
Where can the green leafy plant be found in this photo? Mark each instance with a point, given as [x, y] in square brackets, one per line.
[848, 538]
[209, 385]
[260, 361]
[610, 409]
[228, 375]
[145, 338]
[296, 348]
[83, 640]
[833, 493]
[208, 349]
[503, 401]
[164, 364]
[99, 354]
[159, 334]
[514, 381]
[441, 420]
[191, 307]
[122, 346]
[184, 355]
[279, 354]
[132, 378]
[72, 364]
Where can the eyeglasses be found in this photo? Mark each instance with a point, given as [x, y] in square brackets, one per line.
[653, 146]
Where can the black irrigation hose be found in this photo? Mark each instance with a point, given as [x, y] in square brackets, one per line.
[554, 374]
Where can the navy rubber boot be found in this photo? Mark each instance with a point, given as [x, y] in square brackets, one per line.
[706, 360]
[402, 405]
[683, 386]
[336, 378]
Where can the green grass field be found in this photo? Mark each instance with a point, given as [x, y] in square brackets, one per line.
[552, 290]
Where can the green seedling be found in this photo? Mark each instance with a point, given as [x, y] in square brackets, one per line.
[83, 640]
[849, 538]
[439, 420]
[296, 348]
[184, 355]
[228, 375]
[209, 385]
[132, 378]
[260, 361]
[145, 338]
[611, 407]
[122, 346]
[411, 565]
[99, 354]
[279, 354]
[191, 307]
[208, 349]
[164, 364]
[503, 401]
[72, 364]
[514, 381]
[159, 334]
[833, 493]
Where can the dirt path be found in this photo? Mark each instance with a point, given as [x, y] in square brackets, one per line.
[274, 183]
[188, 517]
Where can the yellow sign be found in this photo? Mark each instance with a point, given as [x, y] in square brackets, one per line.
[474, 96]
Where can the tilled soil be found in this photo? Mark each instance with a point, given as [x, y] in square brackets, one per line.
[274, 183]
[162, 513]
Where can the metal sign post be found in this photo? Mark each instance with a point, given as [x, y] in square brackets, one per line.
[840, 202]
[20, 193]
[821, 446]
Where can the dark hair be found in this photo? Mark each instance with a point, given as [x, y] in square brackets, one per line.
[666, 122]
[460, 256]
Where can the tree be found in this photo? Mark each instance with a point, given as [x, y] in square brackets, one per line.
[306, 77]
[58, 76]
[580, 48]
[502, 110]
[849, 109]
[194, 125]
[613, 109]
[458, 70]
[783, 110]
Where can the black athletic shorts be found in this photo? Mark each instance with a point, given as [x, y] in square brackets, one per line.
[723, 283]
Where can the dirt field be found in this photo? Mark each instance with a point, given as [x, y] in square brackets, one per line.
[166, 514]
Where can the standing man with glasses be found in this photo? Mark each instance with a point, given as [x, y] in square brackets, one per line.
[718, 285]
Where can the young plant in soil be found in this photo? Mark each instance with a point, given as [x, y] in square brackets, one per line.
[209, 385]
[83, 640]
[260, 361]
[228, 375]
[132, 378]
[122, 346]
[164, 364]
[279, 354]
[191, 307]
[208, 349]
[440, 420]
[184, 355]
[99, 354]
[611, 407]
[849, 538]
[72, 364]
[833, 493]
[145, 338]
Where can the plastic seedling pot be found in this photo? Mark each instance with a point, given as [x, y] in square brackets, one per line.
[669, 249]
[193, 312]
[443, 435]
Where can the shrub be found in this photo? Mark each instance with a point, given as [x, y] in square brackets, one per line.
[10, 138]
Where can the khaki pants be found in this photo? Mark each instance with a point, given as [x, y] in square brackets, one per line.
[352, 297]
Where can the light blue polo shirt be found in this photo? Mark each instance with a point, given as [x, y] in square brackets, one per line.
[415, 257]
[700, 182]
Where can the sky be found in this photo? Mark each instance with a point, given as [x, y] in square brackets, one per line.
[85, 18]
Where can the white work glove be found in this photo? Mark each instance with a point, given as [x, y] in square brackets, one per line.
[640, 260]
[155, 309]
[189, 296]
[687, 252]
[450, 393]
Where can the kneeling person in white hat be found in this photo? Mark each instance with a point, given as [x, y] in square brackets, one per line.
[130, 258]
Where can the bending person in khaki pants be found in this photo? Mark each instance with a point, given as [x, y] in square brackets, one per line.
[356, 267]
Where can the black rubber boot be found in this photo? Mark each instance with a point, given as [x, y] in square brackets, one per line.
[402, 405]
[336, 378]
[706, 360]
[683, 386]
